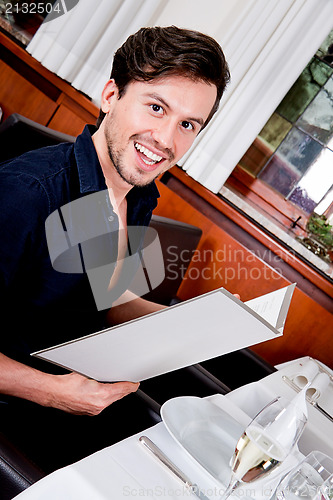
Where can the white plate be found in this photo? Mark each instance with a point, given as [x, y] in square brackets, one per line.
[207, 432]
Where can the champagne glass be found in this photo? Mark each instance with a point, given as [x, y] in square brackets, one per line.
[267, 440]
[306, 479]
[326, 489]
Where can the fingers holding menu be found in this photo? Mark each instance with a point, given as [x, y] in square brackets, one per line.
[80, 395]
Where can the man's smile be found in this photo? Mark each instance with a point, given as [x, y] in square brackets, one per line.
[151, 157]
[148, 156]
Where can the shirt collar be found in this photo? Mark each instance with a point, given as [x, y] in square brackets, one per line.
[89, 169]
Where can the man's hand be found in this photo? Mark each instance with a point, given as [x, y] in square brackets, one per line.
[83, 396]
[72, 393]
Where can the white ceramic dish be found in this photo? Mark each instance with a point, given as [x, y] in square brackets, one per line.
[205, 431]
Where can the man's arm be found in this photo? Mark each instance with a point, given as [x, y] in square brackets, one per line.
[71, 393]
[130, 306]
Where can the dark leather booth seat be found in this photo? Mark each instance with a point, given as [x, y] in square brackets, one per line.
[175, 239]
[19, 134]
[17, 472]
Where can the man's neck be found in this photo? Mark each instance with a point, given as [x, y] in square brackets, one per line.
[118, 188]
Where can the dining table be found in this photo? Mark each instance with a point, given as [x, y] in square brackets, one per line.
[197, 436]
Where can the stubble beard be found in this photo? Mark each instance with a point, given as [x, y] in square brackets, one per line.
[116, 157]
[137, 178]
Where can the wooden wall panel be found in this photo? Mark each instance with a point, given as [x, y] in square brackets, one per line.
[66, 121]
[27, 88]
[18, 95]
[221, 260]
[308, 332]
[70, 117]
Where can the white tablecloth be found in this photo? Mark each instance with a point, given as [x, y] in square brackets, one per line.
[128, 470]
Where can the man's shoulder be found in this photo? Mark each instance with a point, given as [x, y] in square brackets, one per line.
[40, 163]
[40, 177]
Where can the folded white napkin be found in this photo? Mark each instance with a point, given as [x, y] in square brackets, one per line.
[318, 386]
[310, 373]
[306, 373]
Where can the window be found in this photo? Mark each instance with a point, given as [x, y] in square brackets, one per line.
[293, 153]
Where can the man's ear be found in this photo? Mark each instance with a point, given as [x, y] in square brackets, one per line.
[109, 94]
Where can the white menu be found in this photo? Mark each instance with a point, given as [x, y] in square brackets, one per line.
[184, 334]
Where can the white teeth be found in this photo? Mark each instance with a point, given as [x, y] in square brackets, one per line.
[148, 153]
[147, 162]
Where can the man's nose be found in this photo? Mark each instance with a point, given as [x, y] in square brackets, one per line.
[165, 133]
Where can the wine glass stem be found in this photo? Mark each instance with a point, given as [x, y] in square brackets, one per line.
[230, 488]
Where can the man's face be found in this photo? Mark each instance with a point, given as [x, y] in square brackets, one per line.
[153, 124]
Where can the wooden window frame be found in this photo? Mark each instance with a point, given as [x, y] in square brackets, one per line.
[268, 200]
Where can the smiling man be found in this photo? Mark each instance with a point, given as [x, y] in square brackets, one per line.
[165, 85]
[152, 126]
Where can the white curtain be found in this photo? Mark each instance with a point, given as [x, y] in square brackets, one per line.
[79, 45]
[267, 45]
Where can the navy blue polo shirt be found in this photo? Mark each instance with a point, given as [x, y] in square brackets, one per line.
[40, 305]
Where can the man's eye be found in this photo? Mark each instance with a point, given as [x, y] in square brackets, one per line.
[187, 125]
[156, 108]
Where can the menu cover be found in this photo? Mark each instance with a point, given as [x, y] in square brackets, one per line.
[181, 335]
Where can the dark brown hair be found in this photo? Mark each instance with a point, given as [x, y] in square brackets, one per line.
[163, 51]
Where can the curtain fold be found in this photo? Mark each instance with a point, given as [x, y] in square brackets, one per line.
[267, 52]
[267, 44]
[79, 46]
